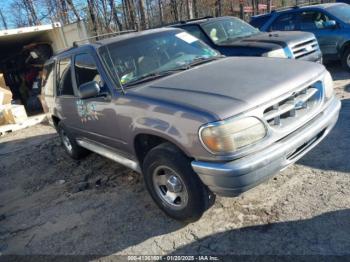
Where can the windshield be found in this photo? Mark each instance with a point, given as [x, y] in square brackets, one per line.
[153, 54]
[342, 12]
[224, 30]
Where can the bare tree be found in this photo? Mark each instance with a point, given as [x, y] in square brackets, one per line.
[160, 7]
[63, 11]
[91, 8]
[218, 7]
[174, 11]
[3, 20]
[143, 15]
[195, 8]
[72, 7]
[269, 4]
[29, 6]
[115, 15]
[189, 9]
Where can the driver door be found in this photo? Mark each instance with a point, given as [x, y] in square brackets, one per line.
[97, 115]
[313, 21]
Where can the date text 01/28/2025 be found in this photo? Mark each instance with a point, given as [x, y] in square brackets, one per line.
[173, 258]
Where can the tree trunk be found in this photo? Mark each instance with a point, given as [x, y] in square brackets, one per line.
[28, 4]
[72, 7]
[195, 8]
[160, 12]
[218, 6]
[64, 12]
[189, 8]
[3, 20]
[143, 15]
[131, 14]
[115, 15]
[91, 6]
[269, 5]
[174, 11]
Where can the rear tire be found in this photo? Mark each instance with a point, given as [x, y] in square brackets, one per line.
[173, 185]
[345, 60]
[69, 143]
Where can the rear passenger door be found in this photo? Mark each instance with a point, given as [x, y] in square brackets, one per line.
[66, 94]
[285, 22]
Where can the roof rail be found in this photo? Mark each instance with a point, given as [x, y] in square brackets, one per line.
[195, 19]
[295, 6]
[98, 37]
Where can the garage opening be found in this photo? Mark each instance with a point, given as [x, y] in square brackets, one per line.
[23, 53]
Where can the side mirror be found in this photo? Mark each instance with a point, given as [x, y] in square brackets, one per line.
[331, 24]
[89, 89]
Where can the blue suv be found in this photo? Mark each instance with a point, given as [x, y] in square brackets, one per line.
[329, 22]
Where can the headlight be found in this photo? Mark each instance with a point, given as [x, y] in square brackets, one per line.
[230, 135]
[328, 86]
[278, 53]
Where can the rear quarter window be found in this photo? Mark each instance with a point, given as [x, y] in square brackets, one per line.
[285, 22]
[64, 77]
[195, 31]
[47, 83]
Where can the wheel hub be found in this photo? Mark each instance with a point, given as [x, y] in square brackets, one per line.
[66, 141]
[174, 184]
[170, 188]
[348, 60]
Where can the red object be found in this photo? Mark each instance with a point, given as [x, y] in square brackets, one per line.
[30, 77]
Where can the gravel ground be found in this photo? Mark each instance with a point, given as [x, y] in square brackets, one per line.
[51, 204]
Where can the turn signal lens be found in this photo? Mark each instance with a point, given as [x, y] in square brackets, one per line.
[328, 86]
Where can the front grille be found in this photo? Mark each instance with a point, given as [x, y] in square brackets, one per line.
[305, 48]
[297, 105]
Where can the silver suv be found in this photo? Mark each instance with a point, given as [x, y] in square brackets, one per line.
[193, 122]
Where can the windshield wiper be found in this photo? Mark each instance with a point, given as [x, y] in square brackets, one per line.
[202, 60]
[153, 76]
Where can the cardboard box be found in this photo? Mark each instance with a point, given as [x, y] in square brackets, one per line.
[2, 115]
[2, 81]
[5, 96]
[14, 114]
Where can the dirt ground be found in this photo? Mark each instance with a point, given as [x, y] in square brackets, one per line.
[51, 204]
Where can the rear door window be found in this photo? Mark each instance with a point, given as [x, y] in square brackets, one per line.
[64, 75]
[86, 71]
[285, 22]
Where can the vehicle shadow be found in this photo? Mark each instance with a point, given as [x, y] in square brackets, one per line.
[334, 151]
[337, 71]
[325, 234]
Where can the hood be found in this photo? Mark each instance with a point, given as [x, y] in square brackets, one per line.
[231, 85]
[271, 40]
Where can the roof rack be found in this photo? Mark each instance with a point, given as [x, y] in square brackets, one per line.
[185, 21]
[195, 19]
[98, 37]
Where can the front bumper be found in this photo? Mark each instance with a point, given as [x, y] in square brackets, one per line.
[235, 177]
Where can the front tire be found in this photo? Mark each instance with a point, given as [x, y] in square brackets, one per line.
[345, 60]
[173, 185]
